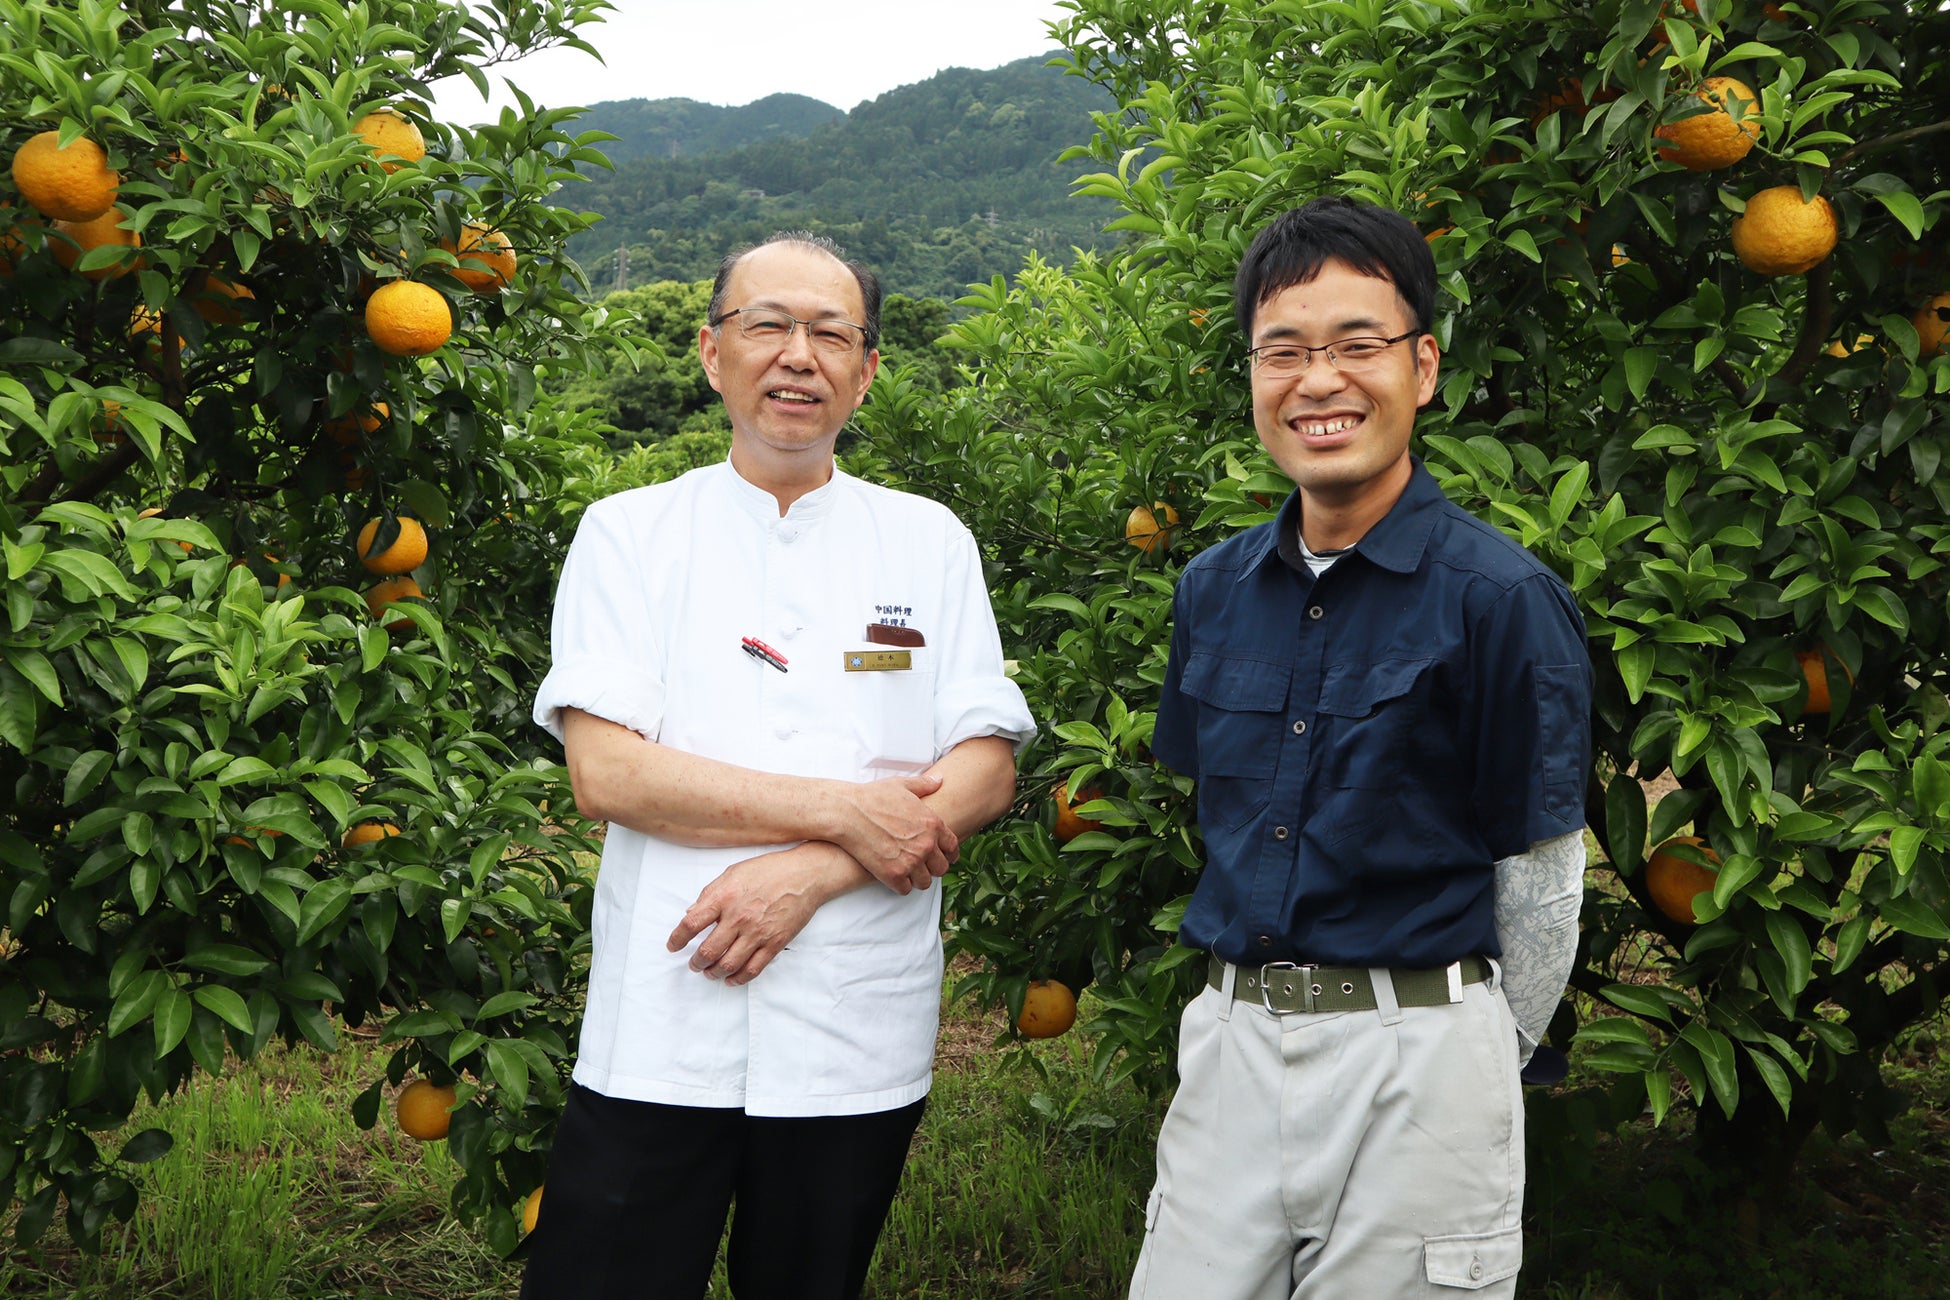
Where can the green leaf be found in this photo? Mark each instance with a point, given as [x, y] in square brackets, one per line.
[1774, 1076]
[421, 1024]
[1912, 915]
[1906, 208]
[1904, 841]
[1716, 1054]
[504, 1002]
[136, 1002]
[322, 905]
[1791, 944]
[1849, 941]
[453, 916]
[172, 1020]
[1640, 999]
[85, 775]
[225, 959]
[1614, 1029]
[510, 1071]
[149, 1145]
[226, 1004]
[1625, 822]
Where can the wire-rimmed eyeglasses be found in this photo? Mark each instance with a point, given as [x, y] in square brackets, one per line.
[1349, 356]
[769, 325]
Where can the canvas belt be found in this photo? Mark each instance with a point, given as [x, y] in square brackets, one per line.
[1285, 986]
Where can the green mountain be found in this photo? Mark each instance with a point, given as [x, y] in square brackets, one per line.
[682, 128]
[936, 185]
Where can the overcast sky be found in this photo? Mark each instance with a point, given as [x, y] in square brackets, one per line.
[735, 51]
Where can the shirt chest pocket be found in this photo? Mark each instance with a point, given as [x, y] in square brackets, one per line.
[1371, 715]
[1242, 703]
[893, 715]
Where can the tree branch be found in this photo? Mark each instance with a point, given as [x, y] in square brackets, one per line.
[1817, 314]
[1887, 142]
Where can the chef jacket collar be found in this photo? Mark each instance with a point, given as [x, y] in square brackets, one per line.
[764, 507]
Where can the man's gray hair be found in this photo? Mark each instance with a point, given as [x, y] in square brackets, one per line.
[869, 284]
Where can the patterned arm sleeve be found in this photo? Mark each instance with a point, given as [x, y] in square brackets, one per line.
[1538, 893]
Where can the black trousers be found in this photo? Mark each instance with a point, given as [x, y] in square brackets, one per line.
[637, 1194]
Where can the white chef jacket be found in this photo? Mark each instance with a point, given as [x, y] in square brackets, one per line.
[658, 590]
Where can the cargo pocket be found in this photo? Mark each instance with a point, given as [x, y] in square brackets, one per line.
[1239, 731]
[1376, 711]
[1473, 1261]
[1141, 1272]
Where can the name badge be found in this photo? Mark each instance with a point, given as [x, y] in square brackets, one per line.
[879, 661]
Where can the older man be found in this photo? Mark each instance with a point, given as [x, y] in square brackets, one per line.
[783, 689]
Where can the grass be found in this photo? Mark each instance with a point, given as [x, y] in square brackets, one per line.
[1027, 1181]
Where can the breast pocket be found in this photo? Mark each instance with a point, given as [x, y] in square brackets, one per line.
[894, 716]
[1239, 726]
[1373, 712]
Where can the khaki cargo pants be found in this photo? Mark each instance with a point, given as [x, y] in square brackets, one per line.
[1360, 1155]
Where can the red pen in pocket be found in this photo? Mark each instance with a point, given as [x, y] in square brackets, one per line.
[757, 649]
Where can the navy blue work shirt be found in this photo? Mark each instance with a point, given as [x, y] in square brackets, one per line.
[1367, 744]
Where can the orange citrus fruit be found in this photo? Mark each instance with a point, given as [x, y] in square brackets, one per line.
[368, 833]
[349, 428]
[1778, 234]
[408, 319]
[1932, 322]
[1841, 349]
[486, 260]
[1068, 824]
[1712, 139]
[407, 552]
[13, 225]
[74, 238]
[1814, 668]
[1141, 528]
[393, 137]
[385, 592]
[155, 512]
[531, 1210]
[71, 184]
[1048, 1009]
[1674, 882]
[422, 1110]
[216, 299]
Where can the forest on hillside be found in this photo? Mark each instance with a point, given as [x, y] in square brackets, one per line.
[682, 128]
[938, 185]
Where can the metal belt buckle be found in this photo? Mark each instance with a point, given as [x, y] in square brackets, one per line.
[1266, 986]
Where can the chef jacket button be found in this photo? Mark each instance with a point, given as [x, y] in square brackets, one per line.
[1281, 832]
[1266, 941]
[1316, 612]
[1300, 727]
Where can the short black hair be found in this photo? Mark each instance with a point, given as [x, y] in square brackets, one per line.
[869, 283]
[1372, 239]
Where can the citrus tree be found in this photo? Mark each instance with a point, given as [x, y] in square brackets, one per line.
[1692, 271]
[257, 306]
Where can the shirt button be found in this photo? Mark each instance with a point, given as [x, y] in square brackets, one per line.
[1266, 941]
[1281, 832]
[1476, 1269]
[1300, 727]
[1316, 612]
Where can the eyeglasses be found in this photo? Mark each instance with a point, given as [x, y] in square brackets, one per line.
[1349, 356]
[764, 325]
